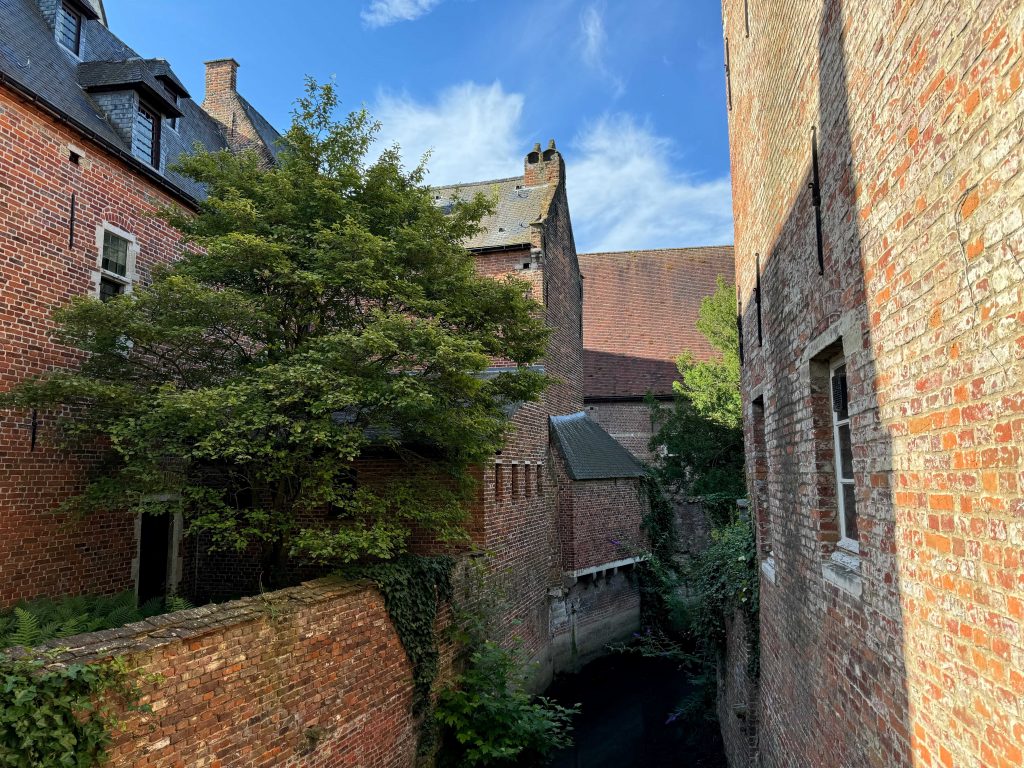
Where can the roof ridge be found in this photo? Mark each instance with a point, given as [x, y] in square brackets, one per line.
[477, 183]
[656, 250]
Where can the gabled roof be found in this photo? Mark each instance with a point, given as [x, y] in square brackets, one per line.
[518, 207]
[640, 311]
[591, 453]
[34, 64]
[129, 74]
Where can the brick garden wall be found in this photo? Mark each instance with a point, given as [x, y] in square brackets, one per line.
[43, 553]
[309, 676]
[909, 652]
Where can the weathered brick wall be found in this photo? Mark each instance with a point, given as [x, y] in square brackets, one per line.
[224, 104]
[591, 613]
[737, 702]
[309, 676]
[909, 651]
[629, 422]
[43, 553]
[599, 521]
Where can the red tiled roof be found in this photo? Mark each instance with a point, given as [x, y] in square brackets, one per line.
[640, 312]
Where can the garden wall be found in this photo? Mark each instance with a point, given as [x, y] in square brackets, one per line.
[314, 675]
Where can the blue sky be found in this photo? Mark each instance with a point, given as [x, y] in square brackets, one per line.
[632, 91]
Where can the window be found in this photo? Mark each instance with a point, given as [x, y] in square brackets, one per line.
[69, 28]
[173, 121]
[116, 264]
[846, 502]
[760, 477]
[146, 136]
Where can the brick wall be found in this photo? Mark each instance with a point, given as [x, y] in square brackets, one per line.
[629, 422]
[599, 521]
[308, 676]
[43, 553]
[223, 103]
[910, 650]
[737, 699]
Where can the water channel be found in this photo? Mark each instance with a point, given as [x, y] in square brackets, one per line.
[624, 723]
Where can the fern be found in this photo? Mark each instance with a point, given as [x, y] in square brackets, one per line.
[44, 619]
[176, 603]
[27, 631]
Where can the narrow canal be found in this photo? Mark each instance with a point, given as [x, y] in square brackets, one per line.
[625, 719]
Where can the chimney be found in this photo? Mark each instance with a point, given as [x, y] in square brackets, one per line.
[221, 79]
[545, 167]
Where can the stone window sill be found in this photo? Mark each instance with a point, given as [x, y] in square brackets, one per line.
[842, 570]
[768, 568]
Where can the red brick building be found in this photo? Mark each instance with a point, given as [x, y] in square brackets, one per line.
[640, 312]
[87, 132]
[876, 165]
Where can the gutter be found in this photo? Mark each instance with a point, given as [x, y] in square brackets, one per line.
[133, 162]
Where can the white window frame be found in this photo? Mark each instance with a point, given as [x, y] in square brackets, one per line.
[847, 543]
[129, 277]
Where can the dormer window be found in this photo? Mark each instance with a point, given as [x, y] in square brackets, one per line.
[69, 28]
[146, 136]
[173, 121]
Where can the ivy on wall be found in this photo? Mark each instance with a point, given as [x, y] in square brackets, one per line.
[55, 715]
[413, 588]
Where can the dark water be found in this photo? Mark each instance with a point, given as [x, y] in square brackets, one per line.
[626, 701]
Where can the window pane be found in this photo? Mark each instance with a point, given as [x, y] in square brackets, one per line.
[110, 288]
[839, 394]
[845, 452]
[69, 28]
[115, 254]
[849, 511]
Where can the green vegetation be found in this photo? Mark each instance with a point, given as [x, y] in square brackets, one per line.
[413, 588]
[55, 715]
[322, 309]
[485, 716]
[688, 601]
[35, 622]
[492, 721]
[702, 430]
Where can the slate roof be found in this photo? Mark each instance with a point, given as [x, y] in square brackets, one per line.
[640, 312]
[267, 133]
[32, 61]
[129, 74]
[518, 206]
[590, 453]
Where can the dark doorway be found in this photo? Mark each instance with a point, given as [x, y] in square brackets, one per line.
[154, 556]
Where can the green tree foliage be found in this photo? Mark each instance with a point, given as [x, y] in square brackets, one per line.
[701, 430]
[323, 309]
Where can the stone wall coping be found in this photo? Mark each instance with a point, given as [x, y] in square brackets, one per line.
[193, 623]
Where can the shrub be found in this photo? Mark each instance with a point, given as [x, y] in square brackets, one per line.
[491, 721]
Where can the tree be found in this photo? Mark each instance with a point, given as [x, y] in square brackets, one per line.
[323, 309]
[701, 432]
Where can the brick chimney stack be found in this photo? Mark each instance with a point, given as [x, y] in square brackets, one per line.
[221, 80]
[545, 167]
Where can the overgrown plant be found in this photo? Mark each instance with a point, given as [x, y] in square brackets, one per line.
[35, 622]
[322, 309]
[55, 715]
[486, 716]
[491, 720]
[413, 589]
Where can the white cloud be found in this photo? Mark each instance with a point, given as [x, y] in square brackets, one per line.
[381, 13]
[593, 46]
[624, 189]
[472, 131]
[624, 193]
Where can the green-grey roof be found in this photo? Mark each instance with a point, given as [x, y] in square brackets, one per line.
[591, 453]
[518, 207]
